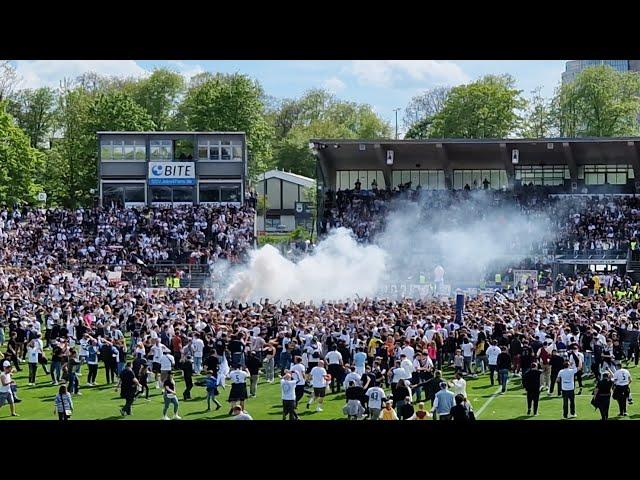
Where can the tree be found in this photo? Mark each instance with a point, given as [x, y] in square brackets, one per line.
[158, 95]
[486, 108]
[319, 114]
[419, 130]
[9, 79]
[600, 102]
[19, 162]
[230, 103]
[538, 120]
[425, 105]
[72, 163]
[34, 113]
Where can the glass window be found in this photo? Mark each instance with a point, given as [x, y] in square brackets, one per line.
[141, 150]
[271, 222]
[106, 150]
[203, 151]
[161, 149]
[237, 151]
[225, 151]
[209, 192]
[128, 150]
[112, 194]
[230, 193]
[214, 150]
[134, 193]
[183, 194]
[161, 194]
[117, 150]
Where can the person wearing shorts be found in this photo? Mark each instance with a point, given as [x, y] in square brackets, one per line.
[238, 391]
[6, 394]
[319, 383]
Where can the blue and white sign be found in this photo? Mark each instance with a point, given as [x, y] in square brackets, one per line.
[172, 173]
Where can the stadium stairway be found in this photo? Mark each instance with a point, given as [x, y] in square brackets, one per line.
[633, 267]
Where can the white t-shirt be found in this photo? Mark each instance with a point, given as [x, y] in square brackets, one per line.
[408, 351]
[459, 386]
[317, 377]
[621, 377]
[492, 354]
[32, 354]
[467, 349]
[333, 358]
[288, 389]
[167, 362]
[566, 377]
[238, 376]
[297, 373]
[407, 365]
[375, 394]
[198, 347]
[156, 351]
[5, 377]
[399, 373]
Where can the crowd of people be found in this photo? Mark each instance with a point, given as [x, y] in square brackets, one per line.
[405, 359]
[579, 223]
[122, 236]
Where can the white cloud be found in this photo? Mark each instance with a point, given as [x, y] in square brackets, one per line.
[405, 73]
[334, 84]
[48, 73]
[187, 70]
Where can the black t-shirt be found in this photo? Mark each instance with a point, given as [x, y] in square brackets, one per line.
[236, 346]
[604, 387]
[253, 365]
[354, 393]
[126, 380]
[459, 413]
[371, 377]
[531, 380]
[220, 346]
[169, 383]
[212, 363]
[504, 361]
[56, 355]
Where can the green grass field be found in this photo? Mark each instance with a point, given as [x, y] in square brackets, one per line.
[102, 402]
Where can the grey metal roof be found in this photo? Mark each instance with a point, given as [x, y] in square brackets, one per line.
[171, 133]
[476, 141]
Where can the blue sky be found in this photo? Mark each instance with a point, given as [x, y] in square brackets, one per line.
[384, 84]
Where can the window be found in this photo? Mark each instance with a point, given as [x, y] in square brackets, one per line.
[230, 193]
[123, 150]
[476, 179]
[346, 179]
[121, 193]
[271, 222]
[547, 175]
[209, 192]
[237, 151]
[225, 151]
[161, 149]
[161, 194]
[183, 194]
[216, 150]
[134, 193]
[220, 192]
[426, 179]
[605, 174]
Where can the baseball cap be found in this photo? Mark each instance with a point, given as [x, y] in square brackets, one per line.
[6, 364]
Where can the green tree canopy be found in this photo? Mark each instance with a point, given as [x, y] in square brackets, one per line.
[538, 121]
[33, 111]
[19, 162]
[600, 102]
[230, 103]
[158, 95]
[319, 114]
[486, 108]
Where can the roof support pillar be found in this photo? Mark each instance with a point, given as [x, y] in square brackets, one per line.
[443, 157]
[505, 154]
[571, 161]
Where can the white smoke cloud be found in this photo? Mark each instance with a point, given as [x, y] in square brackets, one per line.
[465, 238]
[338, 268]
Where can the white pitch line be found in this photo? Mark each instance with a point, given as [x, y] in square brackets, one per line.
[486, 404]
